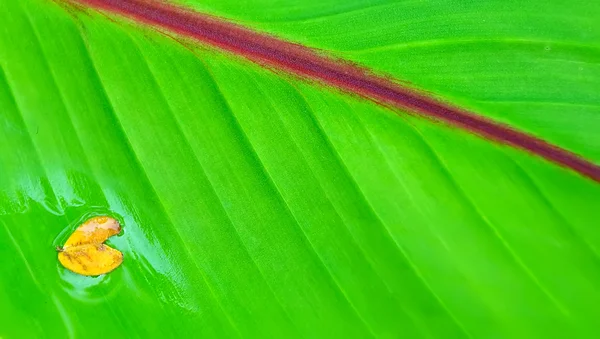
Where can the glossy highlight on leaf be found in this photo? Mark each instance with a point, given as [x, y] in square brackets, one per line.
[85, 252]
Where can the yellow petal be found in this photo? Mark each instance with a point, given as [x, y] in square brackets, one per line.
[95, 230]
[85, 252]
[90, 259]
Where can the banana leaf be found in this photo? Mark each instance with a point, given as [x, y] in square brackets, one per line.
[256, 203]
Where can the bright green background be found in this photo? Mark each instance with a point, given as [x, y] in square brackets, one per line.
[258, 205]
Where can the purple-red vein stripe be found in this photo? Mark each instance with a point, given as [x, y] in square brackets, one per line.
[305, 62]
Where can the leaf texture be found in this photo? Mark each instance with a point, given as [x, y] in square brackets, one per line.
[255, 204]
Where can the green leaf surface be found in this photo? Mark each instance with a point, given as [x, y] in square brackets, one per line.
[534, 65]
[255, 204]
